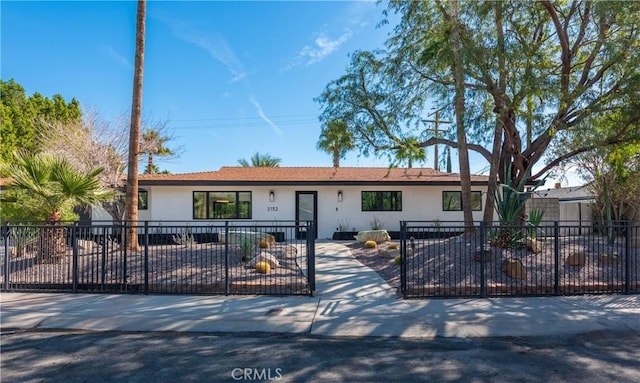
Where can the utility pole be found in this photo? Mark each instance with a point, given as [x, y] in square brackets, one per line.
[436, 130]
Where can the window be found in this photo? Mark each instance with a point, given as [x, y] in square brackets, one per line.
[221, 205]
[452, 200]
[381, 201]
[143, 200]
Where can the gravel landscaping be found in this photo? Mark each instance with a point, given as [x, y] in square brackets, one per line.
[199, 268]
[452, 267]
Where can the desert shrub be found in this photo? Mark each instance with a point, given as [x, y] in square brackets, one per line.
[393, 246]
[264, 244]
[263, 267]
[397, 260]
[370, 245]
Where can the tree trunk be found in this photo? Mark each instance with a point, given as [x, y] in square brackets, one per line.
[463, 152]
[53, 240]
[336, 156]
[131, 205]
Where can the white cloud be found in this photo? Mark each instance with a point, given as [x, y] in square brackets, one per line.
[109, 51]
[264, 116]
[323, 46]
[216, 46]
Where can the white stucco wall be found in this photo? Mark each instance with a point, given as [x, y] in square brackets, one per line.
[420, 203]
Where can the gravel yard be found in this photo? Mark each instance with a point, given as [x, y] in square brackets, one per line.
[453, 266]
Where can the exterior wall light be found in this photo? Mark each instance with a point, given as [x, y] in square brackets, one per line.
[339, 195]
[272, 196]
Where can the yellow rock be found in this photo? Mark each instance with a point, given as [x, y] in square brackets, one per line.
[263, 267]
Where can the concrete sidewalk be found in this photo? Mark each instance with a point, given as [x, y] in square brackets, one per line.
[351, 301]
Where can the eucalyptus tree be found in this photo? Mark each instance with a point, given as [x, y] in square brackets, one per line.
[534, 72]
[336, 139]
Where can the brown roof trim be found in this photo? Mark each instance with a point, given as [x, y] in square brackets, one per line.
[311, 176]
[293, 183]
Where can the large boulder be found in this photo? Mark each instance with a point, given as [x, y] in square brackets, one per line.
[265, 257]
[514, 268]
[378, 236]
[576, 259]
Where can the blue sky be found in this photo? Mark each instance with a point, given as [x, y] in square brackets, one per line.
[230, 78]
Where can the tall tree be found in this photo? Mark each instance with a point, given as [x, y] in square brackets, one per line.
[131, 204]
[336, 139]
[260, 160]
[543, 66]
[458, 70]
[93, 143]
[153, 144]
[21, 117]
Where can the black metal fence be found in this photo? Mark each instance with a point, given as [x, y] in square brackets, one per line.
[219, 258]
[442, 260]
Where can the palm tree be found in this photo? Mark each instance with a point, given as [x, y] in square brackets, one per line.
[51, 187]
[260, 160]
[336, 139]
[131, 203]
[153, 144]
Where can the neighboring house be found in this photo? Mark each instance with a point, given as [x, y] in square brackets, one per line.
[346, 198]
[571, 205]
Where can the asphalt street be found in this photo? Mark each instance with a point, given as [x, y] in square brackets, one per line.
[72, 356]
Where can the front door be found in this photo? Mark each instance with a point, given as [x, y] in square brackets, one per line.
[306, 208]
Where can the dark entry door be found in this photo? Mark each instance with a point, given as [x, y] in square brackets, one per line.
[306, 211]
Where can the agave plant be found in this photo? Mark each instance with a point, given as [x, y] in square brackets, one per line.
[510, 206]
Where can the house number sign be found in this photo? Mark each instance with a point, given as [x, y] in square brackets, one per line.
[272, 208]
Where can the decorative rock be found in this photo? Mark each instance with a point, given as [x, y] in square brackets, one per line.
[514, 268]
[378, 236]
[576, 259]
[265, 257]
[609, 259]
[370, 245]
[263, 267]
[533, 245]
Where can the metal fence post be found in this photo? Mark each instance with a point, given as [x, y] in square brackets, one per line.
[122, 237]
[483, 282]
[627, 257]
[5, 236]
[556, 257]
[146, 256]
[124, 261]
[226, 257]
[311, 259]
[74, 244]
[403, 258]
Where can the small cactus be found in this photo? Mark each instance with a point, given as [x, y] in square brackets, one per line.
[370, 245]
[263, 267]
[397, 260]
[393, 246]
